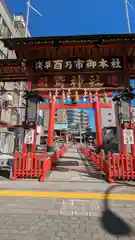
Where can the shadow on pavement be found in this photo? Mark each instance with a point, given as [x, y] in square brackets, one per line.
[111, 222]
[83, 172]
[94, 175]
[67, 157]
[128, 184]
[60, 169]
[67, 163]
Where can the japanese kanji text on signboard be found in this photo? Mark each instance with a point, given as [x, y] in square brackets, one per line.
[78, 64]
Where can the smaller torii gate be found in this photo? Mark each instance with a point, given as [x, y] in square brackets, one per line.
[95, 104]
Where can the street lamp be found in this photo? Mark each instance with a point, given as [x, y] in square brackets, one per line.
[123, 116]
[122, 103]
[32, 99]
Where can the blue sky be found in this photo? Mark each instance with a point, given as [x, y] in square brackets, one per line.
[76, 17]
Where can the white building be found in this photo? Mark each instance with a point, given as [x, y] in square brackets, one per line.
[73, 118]
[78, 119]
[10, 26]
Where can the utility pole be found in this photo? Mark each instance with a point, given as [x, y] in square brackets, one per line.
[28, 14]
[127, 16]
[28, 2]
[127, 5]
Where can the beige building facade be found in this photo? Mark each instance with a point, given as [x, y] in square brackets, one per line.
[60, 118]
[11, 102]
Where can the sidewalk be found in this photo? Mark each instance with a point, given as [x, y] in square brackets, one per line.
[68, 206]
[37, 218]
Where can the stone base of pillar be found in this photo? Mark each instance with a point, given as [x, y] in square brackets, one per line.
[50, 149]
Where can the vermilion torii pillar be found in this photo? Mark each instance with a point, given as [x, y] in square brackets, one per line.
[50, 141]
[97, 114]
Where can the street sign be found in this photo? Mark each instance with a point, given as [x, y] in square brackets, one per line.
[128, 136]
[29, 136]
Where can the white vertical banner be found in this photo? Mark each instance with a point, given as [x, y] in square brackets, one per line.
[128, 135]
[29, 136]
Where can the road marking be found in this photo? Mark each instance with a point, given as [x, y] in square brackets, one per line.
[66, 195]
[72, 202]
[62, 207]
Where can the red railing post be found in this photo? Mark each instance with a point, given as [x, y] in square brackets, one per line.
[109, 169]
[43, 176]
[102, 159]
[50, 145]
[123, 162]
[14, 167]
[132, 159]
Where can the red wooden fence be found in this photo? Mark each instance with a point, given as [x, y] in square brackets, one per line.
[120, 167]
[34, 165]
[96, 159]
[30, 165]
[115, 167]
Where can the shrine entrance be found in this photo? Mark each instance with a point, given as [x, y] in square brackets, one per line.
[60, 68]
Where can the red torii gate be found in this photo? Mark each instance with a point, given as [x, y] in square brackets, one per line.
[97, 62]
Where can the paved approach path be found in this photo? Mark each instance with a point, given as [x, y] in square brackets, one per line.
[73, 168]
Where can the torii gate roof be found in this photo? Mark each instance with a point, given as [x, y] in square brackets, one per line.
[63, 47]
[23, 46]
[93, 39]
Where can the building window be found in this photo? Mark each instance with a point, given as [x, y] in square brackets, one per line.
[109, 120]
[109, 114]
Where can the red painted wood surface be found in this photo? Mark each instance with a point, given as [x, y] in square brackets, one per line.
[78, 105]
[115, 166]
[35, 165]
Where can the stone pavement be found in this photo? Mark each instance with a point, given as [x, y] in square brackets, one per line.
[72, 167]
[66, 219]
[37, 218]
